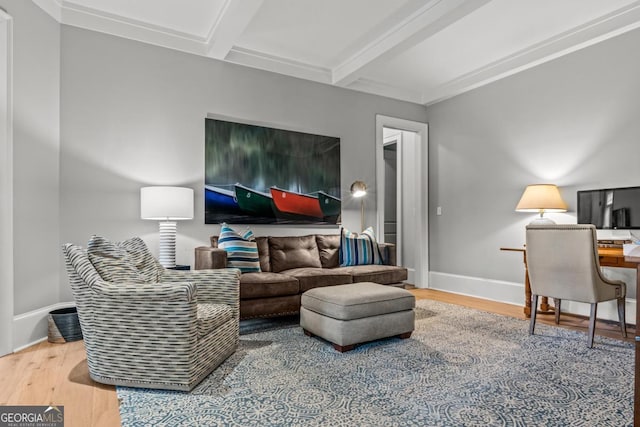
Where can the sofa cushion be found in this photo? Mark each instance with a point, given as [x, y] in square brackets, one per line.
[310, 278]
[383, 274]
[112, 262]
[359, 249]
[242, 249]
[211, 316]
[329, 248]
[266, 285]
[293, 252]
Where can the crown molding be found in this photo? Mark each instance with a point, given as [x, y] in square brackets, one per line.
[607, 26]
[96, 20]
[378, 88]
[276, 64]
[52, 7]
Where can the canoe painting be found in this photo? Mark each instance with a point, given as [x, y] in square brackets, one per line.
[297, 204]
[246, 164]
[254, 202]
[220, 198]
[329, 204]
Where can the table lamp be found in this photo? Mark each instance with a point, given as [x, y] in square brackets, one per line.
[167, 205]
[359, 190]
[541, 198]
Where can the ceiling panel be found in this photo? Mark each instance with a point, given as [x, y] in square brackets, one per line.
[319, 33]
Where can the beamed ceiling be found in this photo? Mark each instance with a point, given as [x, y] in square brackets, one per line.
[420, 51]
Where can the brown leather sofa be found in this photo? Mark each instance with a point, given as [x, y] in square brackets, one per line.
[292, 265]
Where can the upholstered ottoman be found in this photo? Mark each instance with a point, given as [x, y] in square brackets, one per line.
[346, 315]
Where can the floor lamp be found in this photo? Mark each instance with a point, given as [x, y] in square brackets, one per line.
[167, 205]
[359, 190]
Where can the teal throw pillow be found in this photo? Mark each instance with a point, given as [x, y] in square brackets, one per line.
[359, 249]
[242, 249]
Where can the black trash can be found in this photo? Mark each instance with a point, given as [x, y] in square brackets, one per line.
[64, 325]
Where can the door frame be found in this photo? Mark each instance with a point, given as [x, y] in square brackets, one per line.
[421, 187]
[6, 184]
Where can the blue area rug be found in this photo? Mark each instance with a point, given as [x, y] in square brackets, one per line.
[461, 367]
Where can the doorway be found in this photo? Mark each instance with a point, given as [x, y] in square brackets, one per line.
[392, 154]
[401, 175]
[6, 184]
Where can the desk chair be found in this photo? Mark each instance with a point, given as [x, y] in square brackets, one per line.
[563, 264]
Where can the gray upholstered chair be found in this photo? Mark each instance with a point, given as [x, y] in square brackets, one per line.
[563, 264]
[160, 328]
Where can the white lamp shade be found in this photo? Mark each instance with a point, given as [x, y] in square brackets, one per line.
[166, 203]
[541, 198]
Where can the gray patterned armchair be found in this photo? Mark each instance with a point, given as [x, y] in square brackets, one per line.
[145, 326]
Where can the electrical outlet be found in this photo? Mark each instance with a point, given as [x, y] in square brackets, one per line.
[439, 210]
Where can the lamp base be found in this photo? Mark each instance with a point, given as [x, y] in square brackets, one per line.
[542, 221]
[167, 256]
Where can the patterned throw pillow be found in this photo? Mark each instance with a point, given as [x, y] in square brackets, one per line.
[359, 249]
[142, 258]
[242, 250]
[112, 262]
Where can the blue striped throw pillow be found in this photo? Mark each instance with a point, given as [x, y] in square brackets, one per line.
[359, 249]
[242, 250]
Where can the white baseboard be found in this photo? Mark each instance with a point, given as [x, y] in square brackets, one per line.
[513, 293]
[32, 327]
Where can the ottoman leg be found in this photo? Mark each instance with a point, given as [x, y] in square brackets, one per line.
[307, 333]
[343, 348]
[405, 335]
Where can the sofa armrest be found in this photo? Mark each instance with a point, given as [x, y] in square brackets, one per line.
[209, 258]
[388, 251]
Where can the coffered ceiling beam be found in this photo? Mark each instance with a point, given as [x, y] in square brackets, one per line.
[428, 20]
[232, 22]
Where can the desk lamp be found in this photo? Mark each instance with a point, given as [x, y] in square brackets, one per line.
[541, 198]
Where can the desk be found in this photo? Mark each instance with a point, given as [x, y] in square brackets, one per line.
[609, 257]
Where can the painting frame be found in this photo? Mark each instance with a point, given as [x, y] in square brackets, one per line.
[256, 174]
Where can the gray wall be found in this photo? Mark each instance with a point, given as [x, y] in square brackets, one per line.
[572, 121]
[36, 143]
[133, 115]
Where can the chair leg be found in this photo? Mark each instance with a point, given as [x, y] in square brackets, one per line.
[592, 323]
[622, 316]
[556, 306]
[534, 311]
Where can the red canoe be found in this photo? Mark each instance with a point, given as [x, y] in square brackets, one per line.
[296, 203]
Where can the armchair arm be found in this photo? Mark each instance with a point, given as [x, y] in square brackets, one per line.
[141, 293]
[221, 286]
[388, 251]
[208, 257]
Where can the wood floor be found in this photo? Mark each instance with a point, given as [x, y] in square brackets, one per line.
[57, 374]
